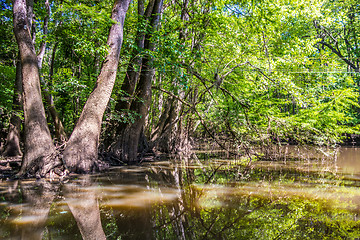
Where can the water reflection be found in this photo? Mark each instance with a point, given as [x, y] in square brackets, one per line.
[26, 219]
[304, 194]
[83, 204]
[349, 160]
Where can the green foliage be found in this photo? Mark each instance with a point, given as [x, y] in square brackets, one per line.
[276, 85]
[8, 54]
[7, 78]
[255, 71]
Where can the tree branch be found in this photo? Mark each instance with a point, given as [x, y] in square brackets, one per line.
[338, 53]
[200, 119]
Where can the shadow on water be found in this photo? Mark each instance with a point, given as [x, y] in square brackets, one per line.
[304, 193]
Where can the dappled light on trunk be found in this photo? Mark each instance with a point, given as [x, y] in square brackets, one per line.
[38, 143]
[81, 152]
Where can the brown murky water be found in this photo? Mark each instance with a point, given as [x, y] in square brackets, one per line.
[305, 194]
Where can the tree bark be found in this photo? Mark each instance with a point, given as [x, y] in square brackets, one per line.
[132, 75]
[81, 152]
[129, 140]
[38, 143]
[12, 147]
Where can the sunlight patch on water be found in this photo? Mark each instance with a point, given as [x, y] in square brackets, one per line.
[25, 220]
[120, 195]
[33, 217]
[131, 169]
[335, 197]
[139, 199]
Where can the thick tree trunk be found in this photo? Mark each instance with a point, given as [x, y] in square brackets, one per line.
[131, 134]
[81, 152]
[12, 147]
[128, 142]
[132, 75]
[38, 143]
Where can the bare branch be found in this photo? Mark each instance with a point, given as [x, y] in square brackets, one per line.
[193, 107]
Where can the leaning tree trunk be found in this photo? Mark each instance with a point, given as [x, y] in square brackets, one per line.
[81, 152]
[38, 144]
[128, 142]
[12, 146]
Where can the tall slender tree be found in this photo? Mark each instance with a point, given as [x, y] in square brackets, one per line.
[168, 136]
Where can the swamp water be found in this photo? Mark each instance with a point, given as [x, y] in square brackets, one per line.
[305, 194]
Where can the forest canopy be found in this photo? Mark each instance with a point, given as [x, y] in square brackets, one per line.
[124, 78]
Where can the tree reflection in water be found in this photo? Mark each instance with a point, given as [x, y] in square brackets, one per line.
[27, 216]
[35, 200]
[190, 199]
[84, 206]
[288, 202]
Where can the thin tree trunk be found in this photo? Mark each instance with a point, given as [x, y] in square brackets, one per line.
[38, 143]
[42, 49]
[130, 138]
[12, 147]
[59, 127]
[81, 152]
[157, 131]
[165, 135]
